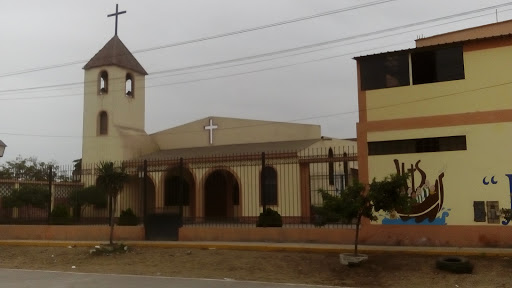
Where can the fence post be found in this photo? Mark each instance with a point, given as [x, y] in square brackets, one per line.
[145, 190]
[50, 176]
[180, 193]
[263, 188]
[345, 169]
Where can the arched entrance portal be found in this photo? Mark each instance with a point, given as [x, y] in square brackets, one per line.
[175, 180]
[221, 197]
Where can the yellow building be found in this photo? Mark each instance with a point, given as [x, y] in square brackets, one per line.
[443, 112]
[222, 163]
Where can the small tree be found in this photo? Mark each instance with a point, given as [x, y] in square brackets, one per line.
[112, 180]
[354, 202]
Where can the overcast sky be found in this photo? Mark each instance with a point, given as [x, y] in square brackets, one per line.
[313, 86]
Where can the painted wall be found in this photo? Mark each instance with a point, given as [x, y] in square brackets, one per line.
[482, 89]
[464, 171]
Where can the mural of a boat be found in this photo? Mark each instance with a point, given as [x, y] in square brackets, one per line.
[429, 207]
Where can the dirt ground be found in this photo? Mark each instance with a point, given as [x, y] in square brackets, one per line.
[381, 270]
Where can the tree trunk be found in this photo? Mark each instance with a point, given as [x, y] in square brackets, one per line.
[358, 223]
[113, 207]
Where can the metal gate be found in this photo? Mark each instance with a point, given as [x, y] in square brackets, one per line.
[163, 226]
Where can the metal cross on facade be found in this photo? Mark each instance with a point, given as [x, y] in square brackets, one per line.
[211, 127]
[116, 14]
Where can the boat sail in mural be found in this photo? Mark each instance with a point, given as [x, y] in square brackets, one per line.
[429, 198]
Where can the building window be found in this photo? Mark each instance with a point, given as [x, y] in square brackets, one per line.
[103, 83]
[444, 64]
[331, 167]
[422, 145]
[384, 71]
[129, 91]
[172, 190]
[269, 186]
[493, 212]
[103, 123]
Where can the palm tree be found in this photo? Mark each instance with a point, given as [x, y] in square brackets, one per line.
[112, 180]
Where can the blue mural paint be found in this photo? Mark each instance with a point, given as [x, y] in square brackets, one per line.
[505, 222]
[438, 221]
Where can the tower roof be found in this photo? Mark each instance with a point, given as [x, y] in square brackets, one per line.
[115, 53]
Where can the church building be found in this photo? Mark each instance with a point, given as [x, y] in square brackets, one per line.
[221, 158]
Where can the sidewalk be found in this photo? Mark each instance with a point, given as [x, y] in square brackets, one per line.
[292, 247]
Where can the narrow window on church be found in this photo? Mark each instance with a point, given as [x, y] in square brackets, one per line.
[269, 187]
[103, 83]
[103, 123]
[129, 85]
[331, 167]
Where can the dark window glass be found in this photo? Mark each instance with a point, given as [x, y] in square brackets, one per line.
[384, 71]
[103, 123]
[269, 191]
[172, 189]
[439, 65]
[423, 145]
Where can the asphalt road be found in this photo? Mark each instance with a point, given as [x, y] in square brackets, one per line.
[12, 278]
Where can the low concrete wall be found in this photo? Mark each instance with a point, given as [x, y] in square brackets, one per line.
[432, 235]
[370, 234]
[70, 232]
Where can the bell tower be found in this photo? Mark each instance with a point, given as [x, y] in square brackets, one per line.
[114, 103]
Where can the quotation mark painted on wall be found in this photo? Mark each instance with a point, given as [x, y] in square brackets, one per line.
[487, 182]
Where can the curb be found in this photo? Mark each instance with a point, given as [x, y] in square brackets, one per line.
[281, 247]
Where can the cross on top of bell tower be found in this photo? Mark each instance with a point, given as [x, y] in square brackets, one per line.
[116, 14]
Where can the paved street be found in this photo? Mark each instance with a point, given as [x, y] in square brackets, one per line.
[30, 278]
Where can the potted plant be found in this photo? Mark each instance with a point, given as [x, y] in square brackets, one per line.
[356, 202]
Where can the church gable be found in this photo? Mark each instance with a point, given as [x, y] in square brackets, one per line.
[216, 131]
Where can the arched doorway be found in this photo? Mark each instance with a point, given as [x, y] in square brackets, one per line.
[221, 194]
[175, 180]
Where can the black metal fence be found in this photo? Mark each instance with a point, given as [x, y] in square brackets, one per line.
[212, 190]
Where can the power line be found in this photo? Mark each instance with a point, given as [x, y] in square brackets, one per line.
[214, 36]
[291, 49]
[254, 71]
[294, 120]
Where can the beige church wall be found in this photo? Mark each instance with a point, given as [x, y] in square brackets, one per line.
[482, 68]
[121, 110]
[249, 188]
[127, 111]
[468, 175]
[136, 146]
[233, 131]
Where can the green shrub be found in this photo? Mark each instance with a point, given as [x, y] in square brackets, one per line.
[128, 218]
[60, 215]
[269, 218]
